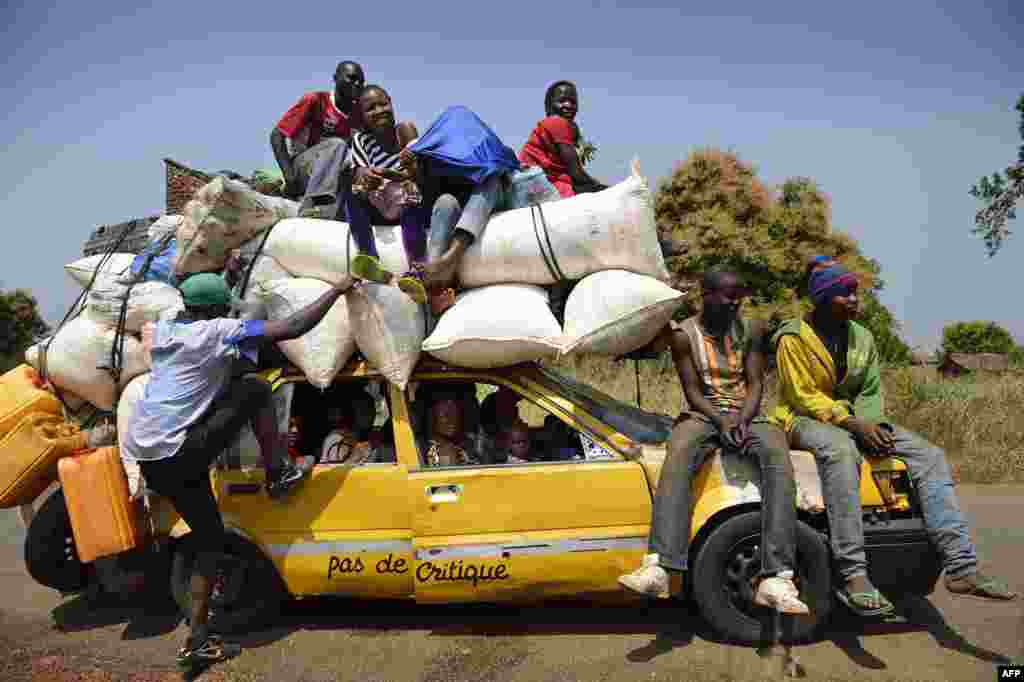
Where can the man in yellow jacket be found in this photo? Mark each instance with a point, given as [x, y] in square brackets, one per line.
[831, 405]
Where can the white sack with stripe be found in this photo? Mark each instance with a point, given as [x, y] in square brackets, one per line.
[115, 267]
[615, 312]
[569, 239]
[147, 302]
[323, 249]
[389, 329]
[496, 326]
[130, 397]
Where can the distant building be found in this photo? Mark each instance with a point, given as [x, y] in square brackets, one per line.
[957, 364]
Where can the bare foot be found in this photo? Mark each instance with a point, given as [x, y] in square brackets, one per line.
[440, 273]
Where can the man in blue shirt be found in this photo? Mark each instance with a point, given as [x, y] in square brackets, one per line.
[194, 406]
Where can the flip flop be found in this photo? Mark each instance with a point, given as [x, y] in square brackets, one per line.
[978, 586]
[855, 601]
[369, 268]
[412, 285]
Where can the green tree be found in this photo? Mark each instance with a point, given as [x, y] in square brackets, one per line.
[715, 204]
[976, 337]
[20, 326]
[1000, 193]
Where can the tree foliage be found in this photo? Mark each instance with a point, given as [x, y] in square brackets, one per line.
[20, 326]
[1000, 193]
[976, 337]
[715, 204]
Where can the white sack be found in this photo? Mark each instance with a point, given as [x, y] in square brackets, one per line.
[223, 215]
[73, 356]
[609, 230]
[148, 302]
[163, 226]
[323, 249]
[496, 326]
[118, 265]
[265, 269]
[389, 329]
[130, 396]
[615, 312]
[323, 351]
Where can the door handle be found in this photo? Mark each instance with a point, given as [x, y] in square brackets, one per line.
[445, 492]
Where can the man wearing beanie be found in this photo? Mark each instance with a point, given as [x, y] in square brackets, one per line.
[831, 405]
[194, 406]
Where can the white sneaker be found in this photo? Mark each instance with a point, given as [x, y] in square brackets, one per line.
[650, 579]
[780, 593]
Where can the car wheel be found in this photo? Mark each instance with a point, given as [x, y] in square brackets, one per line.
[50, 554]
[247, 593]
[727, 563]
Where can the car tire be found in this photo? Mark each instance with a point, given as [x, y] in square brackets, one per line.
[50, 554]
[251, 592]
[731, 556]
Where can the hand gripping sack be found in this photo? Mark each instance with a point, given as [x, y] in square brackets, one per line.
[222, 216]
[21, 394]
[615, 312]
[130, 397]
[569, 239]
[29, 454]
[118, 265]
[76, 354]
[323, 249]
[322, 351]
[147, 302]
[389, 329]
[496, 326]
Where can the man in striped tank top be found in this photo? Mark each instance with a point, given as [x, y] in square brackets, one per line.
[720, 359]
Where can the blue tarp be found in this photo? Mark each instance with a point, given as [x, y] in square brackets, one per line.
[461, 145]
[161, 268]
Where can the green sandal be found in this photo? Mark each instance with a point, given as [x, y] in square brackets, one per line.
[859, 602]
[412, 285]
[980, 587]
[369, 268]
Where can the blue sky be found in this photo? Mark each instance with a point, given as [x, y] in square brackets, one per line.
[894, 108]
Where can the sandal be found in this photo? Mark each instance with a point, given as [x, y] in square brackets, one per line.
[979, 586]
[369, 268]
[859, 602]
[412, 284]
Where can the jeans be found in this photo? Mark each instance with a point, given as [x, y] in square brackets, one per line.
[693, 439]
[319, 168]
[471, 218]
[839, 461]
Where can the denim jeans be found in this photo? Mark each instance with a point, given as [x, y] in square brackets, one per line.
[449, 215]
[839, 461]
[693, 439]
[320, 170]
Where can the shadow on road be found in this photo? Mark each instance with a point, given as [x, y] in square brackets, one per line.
[143, 617]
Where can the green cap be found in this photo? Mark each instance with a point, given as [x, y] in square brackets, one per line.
[204, 289]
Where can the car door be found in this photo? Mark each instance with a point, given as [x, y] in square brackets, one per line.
[525, 531]
[347, 530]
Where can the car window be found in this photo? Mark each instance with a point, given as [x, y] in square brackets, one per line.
[638, 425]
[478, 423]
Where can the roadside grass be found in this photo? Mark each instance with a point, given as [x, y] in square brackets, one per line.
[978, 419]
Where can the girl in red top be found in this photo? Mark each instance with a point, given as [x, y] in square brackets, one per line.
[555, 143]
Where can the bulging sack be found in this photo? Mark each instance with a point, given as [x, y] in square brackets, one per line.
[222, 216]
[569, 239]
[323, 249]
[496, 326]
[116, 267]
[147, 302]
[130, 397]
[389, 329]
[76, 354]
[615, 312]
[164, 225]
[247, 301]
[323, 351]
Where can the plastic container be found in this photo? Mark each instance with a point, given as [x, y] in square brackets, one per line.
[103, 519]
[29, 454]
[22, 393]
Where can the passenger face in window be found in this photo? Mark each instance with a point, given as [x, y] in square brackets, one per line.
[515, 440]
[446, 419]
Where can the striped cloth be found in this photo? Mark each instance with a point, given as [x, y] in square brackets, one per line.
[366, 152]
[719, 362]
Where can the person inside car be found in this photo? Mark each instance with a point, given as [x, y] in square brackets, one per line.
[318, 128]
[350, 415]
[194, 407]
[720, 359]
[513, 444]
[450, 444]
[831, 405]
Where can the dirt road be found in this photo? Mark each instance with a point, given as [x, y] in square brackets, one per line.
[46, 639]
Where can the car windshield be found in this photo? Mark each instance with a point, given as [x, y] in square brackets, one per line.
[639, 425]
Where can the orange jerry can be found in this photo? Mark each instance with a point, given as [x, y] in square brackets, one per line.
[29, 454]
[22, 393]
[103, 519]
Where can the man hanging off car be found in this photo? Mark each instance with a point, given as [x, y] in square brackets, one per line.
[194, 406]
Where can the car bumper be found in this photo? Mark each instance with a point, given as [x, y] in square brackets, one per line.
[901, 558]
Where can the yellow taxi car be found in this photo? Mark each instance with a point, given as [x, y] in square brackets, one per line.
[564, 524]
